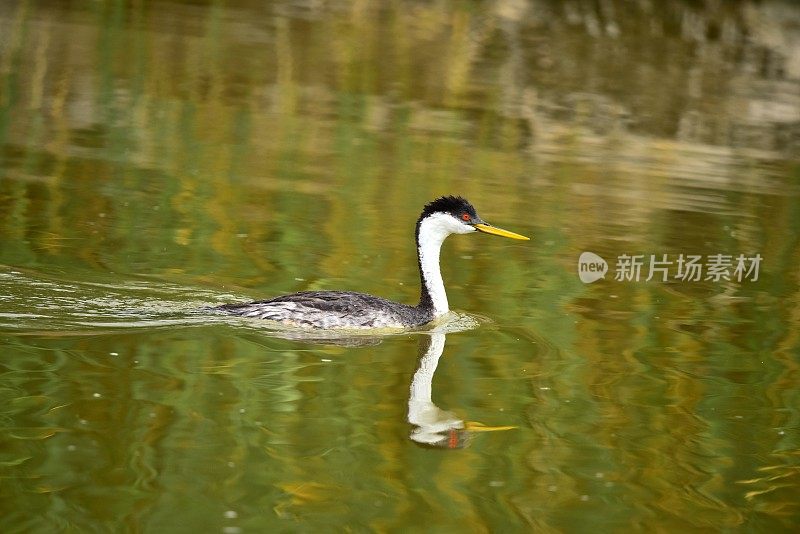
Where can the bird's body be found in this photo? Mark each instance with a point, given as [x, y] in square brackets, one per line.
[334, 309]
[351, 310]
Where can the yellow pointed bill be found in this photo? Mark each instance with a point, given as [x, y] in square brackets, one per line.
[489, 229]
[475, 426]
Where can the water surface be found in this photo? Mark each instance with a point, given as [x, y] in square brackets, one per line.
[159, 157]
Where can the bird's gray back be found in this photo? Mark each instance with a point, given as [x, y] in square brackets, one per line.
[332, 309]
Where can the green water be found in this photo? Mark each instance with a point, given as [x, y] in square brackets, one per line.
[158, 157]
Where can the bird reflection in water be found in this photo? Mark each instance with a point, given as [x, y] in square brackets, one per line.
[433, 426]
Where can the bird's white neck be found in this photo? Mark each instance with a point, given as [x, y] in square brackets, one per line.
[432, 232]
[432, 276]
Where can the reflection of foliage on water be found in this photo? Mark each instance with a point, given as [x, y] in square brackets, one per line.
[266, 123]
[353, 100]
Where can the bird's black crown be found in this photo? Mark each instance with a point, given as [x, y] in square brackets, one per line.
[455, 206]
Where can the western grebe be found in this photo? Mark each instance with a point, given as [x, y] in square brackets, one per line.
[350, 310]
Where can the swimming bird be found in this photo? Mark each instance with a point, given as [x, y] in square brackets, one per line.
[350, 310]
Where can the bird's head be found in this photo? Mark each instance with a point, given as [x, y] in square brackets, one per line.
[455, 215]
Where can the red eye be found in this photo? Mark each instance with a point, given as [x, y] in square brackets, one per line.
[465, 217]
